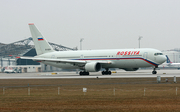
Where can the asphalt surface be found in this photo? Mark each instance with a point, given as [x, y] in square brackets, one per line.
[119, 74]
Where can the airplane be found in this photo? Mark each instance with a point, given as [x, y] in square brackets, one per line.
[11, 69]
[171, 64]
[94, 60]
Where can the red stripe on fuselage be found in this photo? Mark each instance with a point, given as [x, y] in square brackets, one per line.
[121, 59]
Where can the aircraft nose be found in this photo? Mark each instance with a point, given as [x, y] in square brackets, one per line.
[163, 59]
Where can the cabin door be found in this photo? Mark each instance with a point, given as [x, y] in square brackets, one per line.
[145, 55]
[82, 56]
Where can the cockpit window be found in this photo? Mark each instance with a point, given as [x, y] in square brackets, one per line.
[158, 54]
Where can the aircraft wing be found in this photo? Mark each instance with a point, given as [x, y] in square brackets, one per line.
[71, 61]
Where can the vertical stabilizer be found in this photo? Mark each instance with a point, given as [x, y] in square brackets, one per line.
[168, 60]
[41, 45]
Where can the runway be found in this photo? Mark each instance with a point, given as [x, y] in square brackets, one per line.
[73, 75]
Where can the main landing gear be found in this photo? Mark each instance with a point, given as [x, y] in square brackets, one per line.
[154, 70]
[107, 72]
[83, 73]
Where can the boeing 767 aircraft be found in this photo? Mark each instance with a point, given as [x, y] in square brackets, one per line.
[94, 60]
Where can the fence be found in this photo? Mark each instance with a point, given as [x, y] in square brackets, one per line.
[57, 90]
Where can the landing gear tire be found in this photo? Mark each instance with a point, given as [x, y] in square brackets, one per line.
[154, 72]
[106, 72]
[83, 73]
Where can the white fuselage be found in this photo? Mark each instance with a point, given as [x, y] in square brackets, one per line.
[94, 60]
[119, 58]
[174, 65]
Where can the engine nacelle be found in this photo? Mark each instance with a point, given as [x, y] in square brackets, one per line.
[131, 69]
[92, 67]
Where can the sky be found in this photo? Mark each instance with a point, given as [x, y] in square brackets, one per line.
[104, 24]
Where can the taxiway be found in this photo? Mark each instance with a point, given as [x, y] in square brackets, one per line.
[119, 74]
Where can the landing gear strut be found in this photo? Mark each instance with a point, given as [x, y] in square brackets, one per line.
[107, 72]
[83, 73]
[154, 70]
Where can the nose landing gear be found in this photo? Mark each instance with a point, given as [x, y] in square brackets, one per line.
[154, 70]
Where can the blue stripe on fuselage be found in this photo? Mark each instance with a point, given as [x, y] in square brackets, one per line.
[89, 59]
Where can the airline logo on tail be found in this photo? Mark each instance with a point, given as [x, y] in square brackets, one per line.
[168, 60]
[39, 39]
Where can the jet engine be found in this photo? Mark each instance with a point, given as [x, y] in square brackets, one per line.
[92, 67]
[130, 69]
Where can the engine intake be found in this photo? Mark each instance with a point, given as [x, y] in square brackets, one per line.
[92, 67]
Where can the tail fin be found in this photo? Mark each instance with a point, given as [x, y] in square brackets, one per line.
[41, 45]
[168, 60]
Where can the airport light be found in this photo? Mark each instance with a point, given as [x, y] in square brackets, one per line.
[81, 43]
[139, 40]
